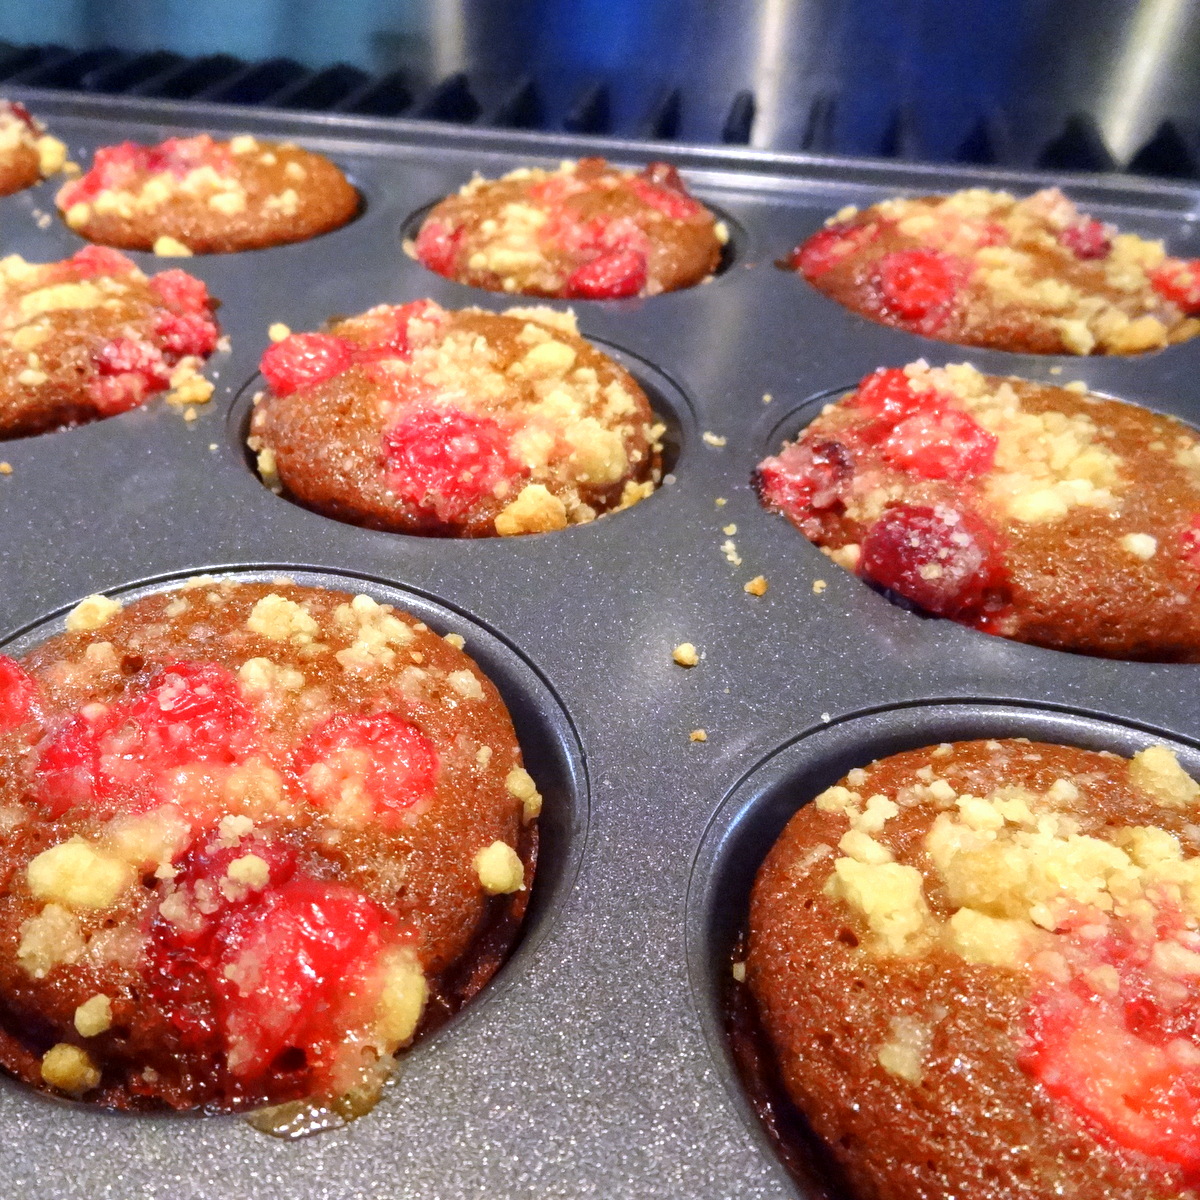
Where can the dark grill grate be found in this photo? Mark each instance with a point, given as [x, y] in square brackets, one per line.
[598, 107]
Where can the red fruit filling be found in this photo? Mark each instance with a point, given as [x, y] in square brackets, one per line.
[117, 167]
[113, 394]
[829, 246]
[915, 284]
[1178, 281]
[1189, 541]
[609, 276]
[660, 186]
[18, 110]
[805, 477]
[1086, 239]
[941, 445]
[384, 334]
[437, 246]
[887, 397]
[304, 359]
[180, 292]
[186, 333]
[383, 756]
[123, 356]
[93, 261]
[16, 694]
[1127, 1060]
[118, 757]
[943, 560]
[445, 460]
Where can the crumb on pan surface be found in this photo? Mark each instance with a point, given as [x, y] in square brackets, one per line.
[93, 336]
[418, 419]
[983, 268]
[587, 230]
[979, 967]
[1031, 511]
[247, 831]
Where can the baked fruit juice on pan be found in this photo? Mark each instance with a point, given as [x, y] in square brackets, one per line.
[580, 1071]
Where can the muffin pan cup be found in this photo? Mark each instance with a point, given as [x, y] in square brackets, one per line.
[590, 1067]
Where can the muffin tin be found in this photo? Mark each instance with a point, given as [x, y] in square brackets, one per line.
[594, 1064]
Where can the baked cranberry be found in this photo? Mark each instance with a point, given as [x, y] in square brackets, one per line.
[382, 755]
[181, 155]
[915, 284]
[437, 246]
[180, 292]
[1178, 281]
[945, 444]
[385, 332]
[1189, 542]
[186, 333]
[609, 276]
[303, 360]
[123, 356]
[188, 713]
[829, 246]
[113, 394]
[942, 559]
[22, 114]
[1086, 238]
[113, 167]
[445, 460]
[886, 396]
[668, 198]
[805, 477]
[16, 694]
[92, 261]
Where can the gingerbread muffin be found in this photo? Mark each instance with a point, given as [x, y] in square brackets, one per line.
[419, 420]
[982, 268]
[27, 153]
[248, 833]
[587, 231]
[92, 336]
[198, 196]
[979, 968]
[1039, 513]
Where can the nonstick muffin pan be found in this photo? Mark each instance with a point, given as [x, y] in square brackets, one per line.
[593, 1066]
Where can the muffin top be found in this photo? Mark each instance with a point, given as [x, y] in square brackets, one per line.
[983, 268]
[1039, 513]
[977, 963]
[247, 829]
[92, 336]
[588, 230]
[27, 152]
[195, 195]
[421, 420]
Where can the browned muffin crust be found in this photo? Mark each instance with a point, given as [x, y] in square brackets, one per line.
[983, 268]
[420, 420]
[1038, 513]
[585, 231]
[228, 767]
[195, 195]
[914, 934]
[27, 153]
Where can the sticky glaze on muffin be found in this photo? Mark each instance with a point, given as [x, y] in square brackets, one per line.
[586, 231]
[28, 153]
[982, 268]
[248, 832]
[1043, 514]
[92, 336]
[420, 420]
[199, 196]
[978, 964]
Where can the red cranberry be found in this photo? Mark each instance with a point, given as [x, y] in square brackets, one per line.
[92, 261]
[830, 246]
[1178, 281]
[303, 360]
[1086, 239]
[113, 394]
[437, 246]
[396, 764]
[186, 333]
[16, 694]
[1189, 542]
[668, 198]
[387, 331]
[609, 276]
[946, 444]
[446, 460]
[22, 114]
[123, 356]
[915, 284]
[805, 477]
[943, 560]
[180, 292]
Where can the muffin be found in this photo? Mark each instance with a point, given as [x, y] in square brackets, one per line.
[27, 153]
[251, 836]
[419, 420]
[1039, 513]
[587, 231]
[91, 336]
[198, 196]
[982, 268]
[977, 965]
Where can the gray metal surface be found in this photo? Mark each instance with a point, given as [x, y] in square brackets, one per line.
[590, 1068]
